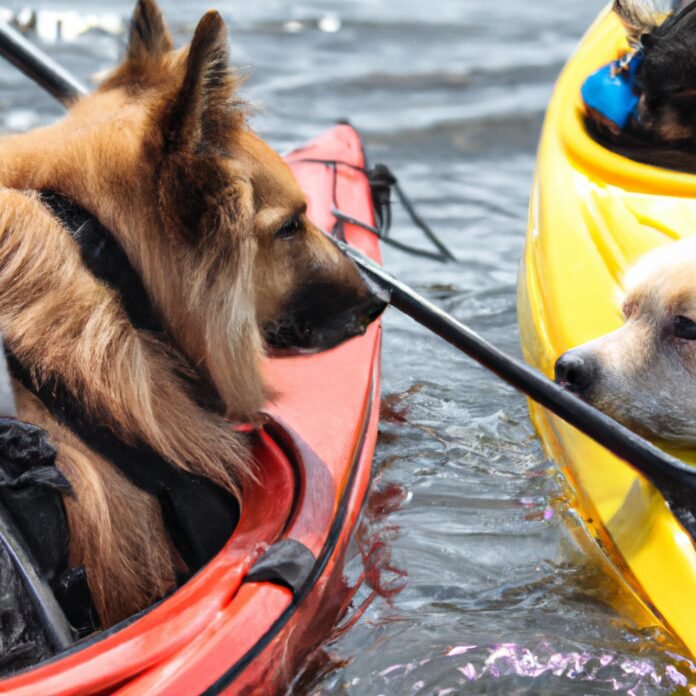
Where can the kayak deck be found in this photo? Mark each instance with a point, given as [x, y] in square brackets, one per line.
[219, 632]
[592, 214]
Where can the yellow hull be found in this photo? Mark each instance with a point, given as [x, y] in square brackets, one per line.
[593, 214]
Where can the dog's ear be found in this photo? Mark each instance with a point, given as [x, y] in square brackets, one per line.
[643, 17]
[204, 111]
[149, 35]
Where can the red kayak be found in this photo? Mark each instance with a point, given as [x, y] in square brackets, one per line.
[246, 622]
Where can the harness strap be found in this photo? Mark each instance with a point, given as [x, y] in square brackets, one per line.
[199, 515]
[105, 258]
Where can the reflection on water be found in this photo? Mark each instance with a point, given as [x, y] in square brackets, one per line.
[478, 577]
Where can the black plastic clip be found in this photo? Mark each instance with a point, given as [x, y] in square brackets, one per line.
[287, 563]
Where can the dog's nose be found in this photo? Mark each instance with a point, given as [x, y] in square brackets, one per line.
[575, 371]
[374, 308]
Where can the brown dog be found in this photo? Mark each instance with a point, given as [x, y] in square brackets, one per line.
[214, 223]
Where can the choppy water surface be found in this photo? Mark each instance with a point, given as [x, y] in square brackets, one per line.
[489, 584]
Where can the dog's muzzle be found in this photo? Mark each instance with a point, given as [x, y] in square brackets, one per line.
[320, 318]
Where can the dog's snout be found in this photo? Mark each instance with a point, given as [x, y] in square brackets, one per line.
[322, 316]
[576, 371]
[373, 308]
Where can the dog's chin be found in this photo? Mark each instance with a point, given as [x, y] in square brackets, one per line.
[582, 394]
[592, 398]
[646, 431]
[275, 348]
[300, 339]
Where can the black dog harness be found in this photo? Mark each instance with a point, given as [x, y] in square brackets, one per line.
[199, 515]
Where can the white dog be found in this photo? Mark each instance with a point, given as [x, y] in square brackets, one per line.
[644, 374]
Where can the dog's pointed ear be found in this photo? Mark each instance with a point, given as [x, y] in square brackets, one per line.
[149, 35]
[638, 17]
[203, 113]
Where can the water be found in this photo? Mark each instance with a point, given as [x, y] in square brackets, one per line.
[488, 583]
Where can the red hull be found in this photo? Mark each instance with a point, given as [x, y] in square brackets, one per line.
[218, 633]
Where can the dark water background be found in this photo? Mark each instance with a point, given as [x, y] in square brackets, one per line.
[489, 592]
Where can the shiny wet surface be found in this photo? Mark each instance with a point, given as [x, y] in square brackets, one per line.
[479, 578]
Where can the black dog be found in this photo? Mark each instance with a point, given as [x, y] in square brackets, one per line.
[663, 131]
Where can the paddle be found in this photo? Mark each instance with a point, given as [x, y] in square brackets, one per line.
[34, 63]
[671, 476]
[668, 473]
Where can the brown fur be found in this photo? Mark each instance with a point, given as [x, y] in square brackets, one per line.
[162, 155]
[144, 570]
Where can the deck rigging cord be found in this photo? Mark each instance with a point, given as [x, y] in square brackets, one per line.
[672, 477]
[382, 182]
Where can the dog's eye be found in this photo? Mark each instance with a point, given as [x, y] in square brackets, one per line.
[684, 328]
[289, 229]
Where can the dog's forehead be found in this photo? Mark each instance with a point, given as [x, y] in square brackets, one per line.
[665, 276]
[108, 110]
[273, 179]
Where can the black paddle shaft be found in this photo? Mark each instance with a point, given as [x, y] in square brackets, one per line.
[667, 473]
[36, 65]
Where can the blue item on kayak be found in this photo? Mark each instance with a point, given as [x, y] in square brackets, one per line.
[612, 91]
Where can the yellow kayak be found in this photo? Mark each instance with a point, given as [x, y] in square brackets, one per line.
[593, 214]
